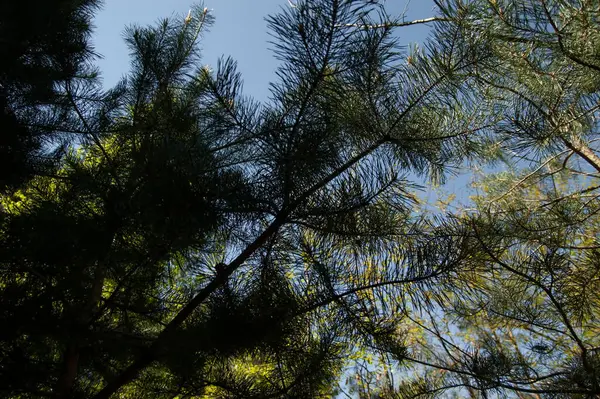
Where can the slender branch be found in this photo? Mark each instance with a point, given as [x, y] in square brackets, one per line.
[313, 87]
[90, 131]
[561, 45]
[496, 382]
[336, 297]
[338, 172]
[149, 355]
[573, 334]
[395, 24]
[575, 144]
[524, 179]
[578, 193]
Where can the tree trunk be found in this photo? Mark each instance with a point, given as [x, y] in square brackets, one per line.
[580, 148]
[68, 375]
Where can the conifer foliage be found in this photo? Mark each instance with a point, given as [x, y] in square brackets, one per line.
[171, 237]
[192, 242]
[522, 319]
[43, 46]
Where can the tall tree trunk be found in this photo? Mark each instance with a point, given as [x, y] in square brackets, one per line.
[68, 376]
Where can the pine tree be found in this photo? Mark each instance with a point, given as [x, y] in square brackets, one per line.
[198, 243]
[521, 320]
[44, 47]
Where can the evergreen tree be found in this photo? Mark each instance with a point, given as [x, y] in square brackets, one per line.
[44, 47]
[522, 317]
[192, 242]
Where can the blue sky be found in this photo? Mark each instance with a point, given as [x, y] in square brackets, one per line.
[240, 31]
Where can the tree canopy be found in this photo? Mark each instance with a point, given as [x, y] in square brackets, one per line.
[171, 237]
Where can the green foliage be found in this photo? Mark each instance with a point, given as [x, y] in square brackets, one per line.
[520, 320]
[44, 46]
[206, 245]
[173, 238]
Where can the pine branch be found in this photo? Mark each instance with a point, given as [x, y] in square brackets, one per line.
[548, 291]
[396, 24]
[131, 372]
[90, 132]
[495, 382]
[585, 152]
[559, 37]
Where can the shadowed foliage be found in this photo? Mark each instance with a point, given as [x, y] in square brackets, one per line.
[171, 237]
